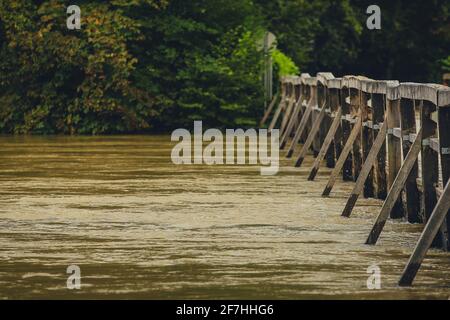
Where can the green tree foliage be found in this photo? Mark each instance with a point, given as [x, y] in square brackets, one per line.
[149, 65]
[200, 60]
[134, 65]
[54, 80]
[284, 64]
[331, 35]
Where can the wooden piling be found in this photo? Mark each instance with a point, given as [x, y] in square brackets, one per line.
[321, 85]
[367, 134]
[296, 112]
[311, 83]
[444, 146]
[346, 129]
[394, 148]
[333, 86]
[344, 155]
[375, 87]
[408, 130]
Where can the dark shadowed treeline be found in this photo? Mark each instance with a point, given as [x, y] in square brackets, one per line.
[149, 65]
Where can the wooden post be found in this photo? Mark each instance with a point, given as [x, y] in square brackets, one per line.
[367, 136]
[367, 167]
[344, 155]
[277, 114]
[290, 105]
[395, 190]
[355, 106]
[394, 149]
[295, 114]
[375, 87]
[311, 137]
[430, 165]
[326, 122]
[378, 107]
[441, 210]
[444, 145]
[346, 129]
[429, 233]
[310, 82]
[338, 138]
[412, 194]
[333, 103]
[321, 83]
[280, 105]
[269, 110]
[428, 93]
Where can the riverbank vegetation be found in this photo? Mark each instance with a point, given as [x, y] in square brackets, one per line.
[155, 65]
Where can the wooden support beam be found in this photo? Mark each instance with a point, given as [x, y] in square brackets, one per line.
[346, 129]
[367, 141]
[290, 126]
[380, 178]
[277, 115]
[300, 129]
[412, 195]
[395, 189]
[444, 146]
[326, 145]
[394, 151]
[269, 110]
[367, 167]
[343, 157]
[355, 105]
[288, 112]
[429, 233]
[430, 165]
[312, 135]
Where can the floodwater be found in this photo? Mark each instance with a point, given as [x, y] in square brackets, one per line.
[141, 227]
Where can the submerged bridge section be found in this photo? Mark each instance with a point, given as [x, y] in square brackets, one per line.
[392, 139]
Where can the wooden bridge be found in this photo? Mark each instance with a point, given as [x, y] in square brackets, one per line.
[391, 138]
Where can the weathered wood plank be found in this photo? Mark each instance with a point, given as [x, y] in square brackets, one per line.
[429, 233]
[344, 154]
[288, 112]
[444, 145]
[290, 126]
[367, 167]
[277, 115]
[367, 141]
[355, 105]
[300, 129]
[312, 135]
[395, 189]
[394, 152]
[430, 165]
[346, 129]
[269, 110]
[412, 194]
[380, 165]
[326, 145]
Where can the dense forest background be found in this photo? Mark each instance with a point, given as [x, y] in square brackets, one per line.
[150, 65]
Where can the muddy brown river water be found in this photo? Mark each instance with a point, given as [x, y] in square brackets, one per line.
[140, 227]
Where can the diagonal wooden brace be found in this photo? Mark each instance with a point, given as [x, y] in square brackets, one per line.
[432, 227]
[344, 154]
[396, 188]
[269, 110]
[326, 144]
[300, 129]
[277, 114]
[290, 125]
[312, 134]
[368, 165]
[287, 115]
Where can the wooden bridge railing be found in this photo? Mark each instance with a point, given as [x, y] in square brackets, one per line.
[391, 138]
